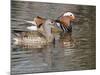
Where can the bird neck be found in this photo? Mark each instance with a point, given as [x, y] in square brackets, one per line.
[48, 33]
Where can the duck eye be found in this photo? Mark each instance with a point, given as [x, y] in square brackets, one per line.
[51, 21]
[70, 15]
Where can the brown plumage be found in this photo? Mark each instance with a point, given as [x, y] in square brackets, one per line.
[66, 20]
[39, 21]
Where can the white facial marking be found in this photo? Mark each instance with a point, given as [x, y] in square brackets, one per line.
[68, 14]
[58, 24]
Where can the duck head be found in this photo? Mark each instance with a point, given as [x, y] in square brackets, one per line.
[67, 18]
[70, 15]
[47, 27]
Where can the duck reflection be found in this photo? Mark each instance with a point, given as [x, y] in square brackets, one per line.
[66, 40]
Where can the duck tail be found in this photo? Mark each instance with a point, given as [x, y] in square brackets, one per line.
[15, 37]
[15, 41]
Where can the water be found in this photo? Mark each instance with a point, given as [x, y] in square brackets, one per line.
[58, 56]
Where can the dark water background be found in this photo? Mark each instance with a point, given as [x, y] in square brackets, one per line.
[50, 58]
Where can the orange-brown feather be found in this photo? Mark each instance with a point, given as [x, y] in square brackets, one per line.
[65, 20]
[39, 21]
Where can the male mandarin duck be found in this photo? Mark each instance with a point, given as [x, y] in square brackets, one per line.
[64, 22]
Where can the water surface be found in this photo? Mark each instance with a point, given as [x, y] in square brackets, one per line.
[56, 57]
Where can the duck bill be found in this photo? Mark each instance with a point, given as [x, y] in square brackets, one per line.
[73, 18]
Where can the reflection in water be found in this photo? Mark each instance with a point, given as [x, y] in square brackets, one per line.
[70, 51]
[67, 40]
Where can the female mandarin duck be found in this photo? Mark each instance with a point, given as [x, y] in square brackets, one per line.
[36, 39]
